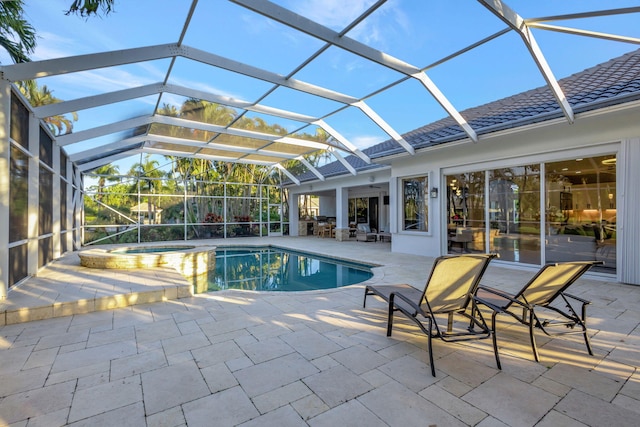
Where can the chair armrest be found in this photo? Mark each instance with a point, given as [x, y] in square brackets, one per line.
[501, 294]
[496, 292]
[582, 300]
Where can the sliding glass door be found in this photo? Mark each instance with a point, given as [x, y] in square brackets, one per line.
[500, 210]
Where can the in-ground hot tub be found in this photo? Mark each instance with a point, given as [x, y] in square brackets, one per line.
[193, 262]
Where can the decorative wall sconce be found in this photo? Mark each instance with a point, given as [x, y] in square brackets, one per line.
[434, 193]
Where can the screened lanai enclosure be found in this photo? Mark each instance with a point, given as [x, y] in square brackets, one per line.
[184, 205]
[210, 119]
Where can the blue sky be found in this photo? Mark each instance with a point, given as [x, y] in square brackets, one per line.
[417, 32]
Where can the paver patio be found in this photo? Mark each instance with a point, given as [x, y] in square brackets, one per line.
[295, 359]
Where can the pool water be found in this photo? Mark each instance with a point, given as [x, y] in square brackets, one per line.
[278, 269]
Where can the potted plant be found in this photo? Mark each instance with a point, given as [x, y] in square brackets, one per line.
[213, 218]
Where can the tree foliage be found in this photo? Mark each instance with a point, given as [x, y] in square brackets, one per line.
[17, 35]
[39, 96]
[86, 8]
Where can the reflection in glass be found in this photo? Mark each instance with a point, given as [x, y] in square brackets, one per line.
[19, 122]
[415, 203]
[359, 210]
[18, 195]
[514, 210]
[17, 263]
[45, 201]
[465, 207]
[580, 201]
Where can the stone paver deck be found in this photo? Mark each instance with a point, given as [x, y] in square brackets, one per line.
[296, 359]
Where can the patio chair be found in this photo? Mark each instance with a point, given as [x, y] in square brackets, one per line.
[364, 233]
[448, 292]
[547, 286]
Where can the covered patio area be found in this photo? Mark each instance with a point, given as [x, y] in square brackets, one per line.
[303, 358]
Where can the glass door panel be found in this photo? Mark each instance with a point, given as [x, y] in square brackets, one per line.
[466, 212]
[580, 201]
[514, 212]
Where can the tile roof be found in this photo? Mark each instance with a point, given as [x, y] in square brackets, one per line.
[613, 82]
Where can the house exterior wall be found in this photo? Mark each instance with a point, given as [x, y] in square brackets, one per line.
[362, 185]
[327, 205]
[595, 133]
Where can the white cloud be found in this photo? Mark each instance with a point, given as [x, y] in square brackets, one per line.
[198, 85]
[334, 14]
[365, 141]
[337, 14]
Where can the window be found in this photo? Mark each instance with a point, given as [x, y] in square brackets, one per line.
[45, 208]
[46, 148]
[18, 196]
[19, 122]
[359, 210]
[415, 207]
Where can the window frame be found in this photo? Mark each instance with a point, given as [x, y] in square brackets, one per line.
[426, 204]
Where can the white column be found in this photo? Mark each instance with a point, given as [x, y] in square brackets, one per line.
[294, 214]
[5, 179]
[34, 195]
[76, 206]
[57, 197]
[342, 207]
[69, 196]
[342, 214]
[628, 202]
[327, 205]
[393, 205]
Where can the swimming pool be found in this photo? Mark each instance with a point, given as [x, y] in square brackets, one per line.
[278, 269]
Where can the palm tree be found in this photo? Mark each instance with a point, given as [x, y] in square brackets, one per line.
[17, 36]
[39, 96]
[148, 169]
[207, 112]
[106, 172]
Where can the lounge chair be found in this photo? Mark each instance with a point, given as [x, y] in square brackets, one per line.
[547, 286]
[448, 291]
